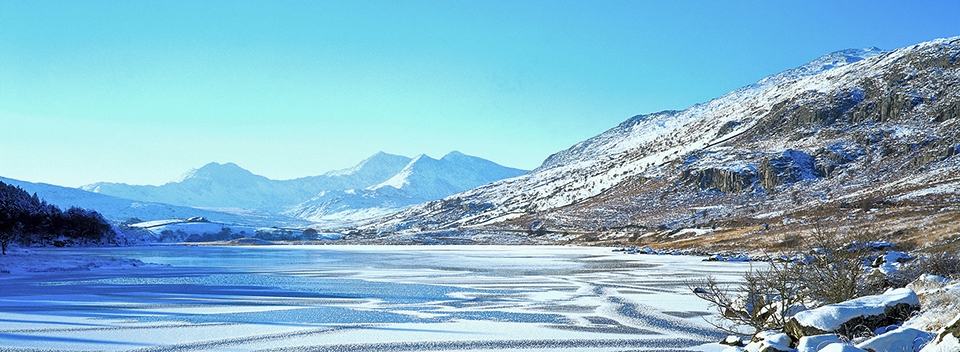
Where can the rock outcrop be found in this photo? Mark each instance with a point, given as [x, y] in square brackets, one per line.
[948, 340]
[856, 317]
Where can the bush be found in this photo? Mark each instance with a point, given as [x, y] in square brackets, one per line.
[765, 300]
[836, 268]
[941, 264]
[831, 270]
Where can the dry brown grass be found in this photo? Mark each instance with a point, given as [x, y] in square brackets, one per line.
[913, 227]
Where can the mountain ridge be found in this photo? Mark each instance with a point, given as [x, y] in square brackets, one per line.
[120, 209]
[229, 187]
[803, 127]
[424, 178]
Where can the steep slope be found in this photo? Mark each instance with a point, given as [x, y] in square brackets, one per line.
[841, 129]
[429, 178]
[119, 209]
[370, 171]
[422, 179]
[229, 187]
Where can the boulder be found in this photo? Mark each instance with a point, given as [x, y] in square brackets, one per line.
[817, 342]
[734, 341]
[898, 340]
[770, 341]
[855, 317]
[841, 347]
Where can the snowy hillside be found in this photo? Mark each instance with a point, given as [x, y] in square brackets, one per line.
[840, 126]
[119, 209]
[422, 179]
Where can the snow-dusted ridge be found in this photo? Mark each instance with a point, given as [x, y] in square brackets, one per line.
[379, 185]
[120, 209]
[422, 179]
[747, 127]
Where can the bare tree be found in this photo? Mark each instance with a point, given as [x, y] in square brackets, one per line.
[831, 270]
[835, 266]
[764, 300]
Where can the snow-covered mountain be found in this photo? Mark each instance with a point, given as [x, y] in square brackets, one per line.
[842, 127]
[378, 185]
[422, 179]
[230, 187]
[119, 209]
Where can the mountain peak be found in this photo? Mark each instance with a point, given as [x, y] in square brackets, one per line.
[823, 63]
[380, 163]
[380, 154]
[422, 158]
[453, 155]
[215, 170]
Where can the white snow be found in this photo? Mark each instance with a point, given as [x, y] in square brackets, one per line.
[899, 340]
[831, 317]
[945, 342]
[817, 342]
[692, 232]
[777, 341]
[841, 347]
[939, 189]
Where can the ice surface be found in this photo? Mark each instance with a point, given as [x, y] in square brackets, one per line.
[361, 298]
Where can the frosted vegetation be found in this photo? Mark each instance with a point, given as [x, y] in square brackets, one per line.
[839, 295]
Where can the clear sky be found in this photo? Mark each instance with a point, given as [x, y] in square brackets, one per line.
[141, 91]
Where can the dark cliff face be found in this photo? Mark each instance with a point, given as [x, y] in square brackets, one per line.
[723, 180]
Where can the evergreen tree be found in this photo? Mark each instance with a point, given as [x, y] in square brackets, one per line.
[28, 219]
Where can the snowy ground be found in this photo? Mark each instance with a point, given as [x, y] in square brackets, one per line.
[360, 298]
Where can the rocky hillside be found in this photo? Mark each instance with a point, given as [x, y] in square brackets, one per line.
[855, 129]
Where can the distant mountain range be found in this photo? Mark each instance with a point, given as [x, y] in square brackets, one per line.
[860, 126]
[421, 179]
[120, 209]
[378, 185]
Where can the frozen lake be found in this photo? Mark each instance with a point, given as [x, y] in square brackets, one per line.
[362, 298]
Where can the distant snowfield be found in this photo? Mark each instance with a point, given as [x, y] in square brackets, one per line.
[361, 298]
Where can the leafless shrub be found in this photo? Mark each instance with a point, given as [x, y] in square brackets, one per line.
[943, 264]
[835, 267]
[831, 269]
[764, 300]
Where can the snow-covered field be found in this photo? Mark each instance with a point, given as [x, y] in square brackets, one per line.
[359, 298]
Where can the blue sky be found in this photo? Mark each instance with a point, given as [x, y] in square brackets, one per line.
[141, 91]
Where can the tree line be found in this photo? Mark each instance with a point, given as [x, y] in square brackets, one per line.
[27, 219]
